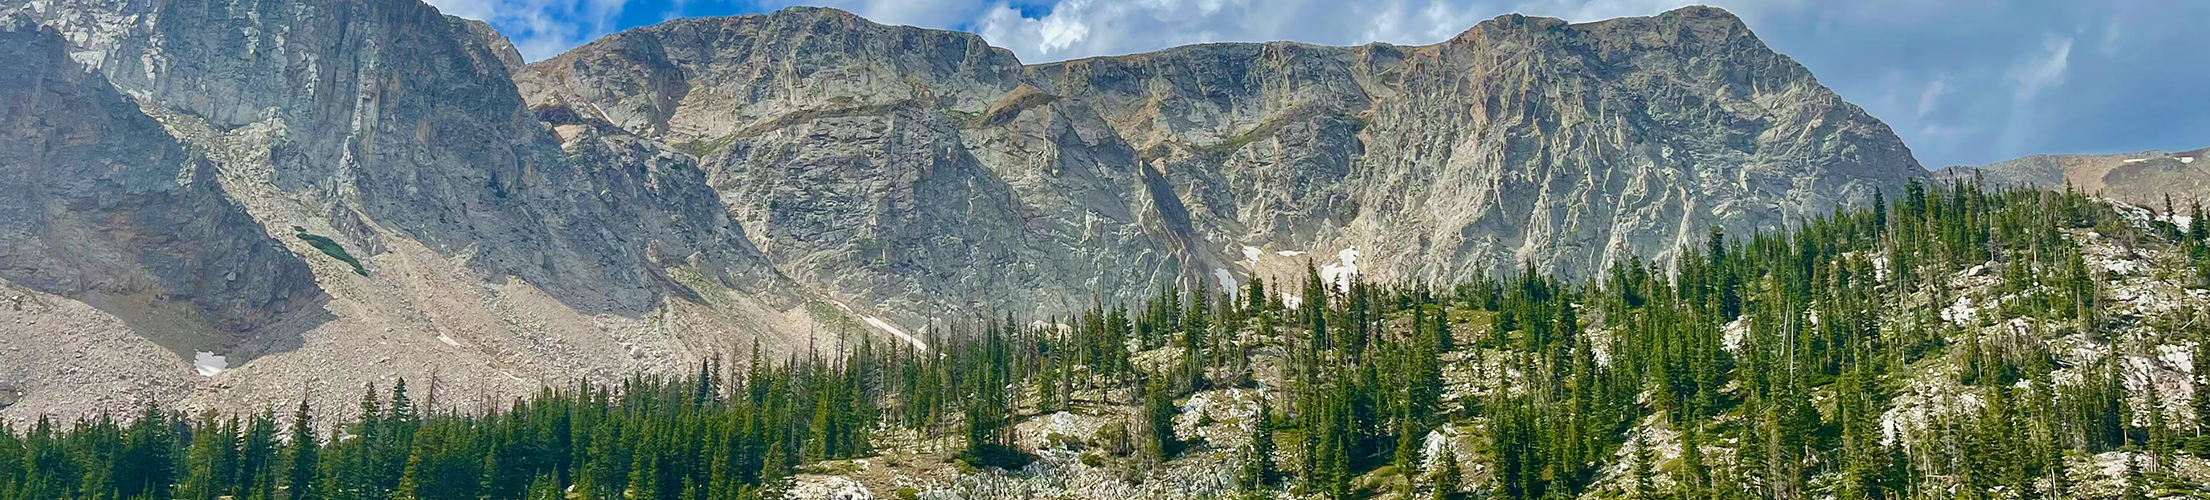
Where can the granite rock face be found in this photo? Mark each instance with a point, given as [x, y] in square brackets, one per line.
[182, 153]
[926, 171]
[404, 118]
[104, 207]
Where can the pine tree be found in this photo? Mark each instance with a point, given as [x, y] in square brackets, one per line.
[1195, 322]
[1447, 480]
[301, 480]
[1259, 462]
[257, 458]
[1158, 412]
[1444, 341]
[545, 487]
[1639, 470]
[202, 479]
[1693, 475]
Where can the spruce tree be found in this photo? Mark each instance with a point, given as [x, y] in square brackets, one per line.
[1447, 481]
[301, 480]
[1158, 412]
[203, 480]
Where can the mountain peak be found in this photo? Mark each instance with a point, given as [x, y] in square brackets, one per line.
[1186, 151]
[1707, 23]
[720, 170]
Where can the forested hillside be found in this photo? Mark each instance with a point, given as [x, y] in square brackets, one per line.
[1955, 343]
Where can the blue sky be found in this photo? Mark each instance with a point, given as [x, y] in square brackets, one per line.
[1963, 81]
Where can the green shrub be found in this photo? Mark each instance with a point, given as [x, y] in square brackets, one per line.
[1062, 441]
[1003, 457]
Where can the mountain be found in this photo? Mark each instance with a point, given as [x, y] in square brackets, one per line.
[2022, 342]
[2145, 177]
[927, 171]
[280, 197]
[224, 150]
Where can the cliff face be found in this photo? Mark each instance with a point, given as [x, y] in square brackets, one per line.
[245, 151]
[672, 192]
[395, 114]
[104, 207]
[922, 169]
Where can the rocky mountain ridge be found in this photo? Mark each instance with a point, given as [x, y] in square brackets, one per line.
[2143, 177]
[798, 178]
[925, 170]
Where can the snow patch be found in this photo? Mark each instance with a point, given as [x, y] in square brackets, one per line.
[1291, 301]
[1250, 257]
[2186, 159]
[1341, 273]
[2136, 160]
[1289, 253]
[885, 326]
[441, 337]
[209, 364]
[893, 330]
[1227, 281]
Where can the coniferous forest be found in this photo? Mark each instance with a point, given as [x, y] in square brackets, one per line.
[1949, 342]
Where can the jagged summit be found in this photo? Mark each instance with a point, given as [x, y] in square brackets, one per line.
[1526, 139]
[665, 193]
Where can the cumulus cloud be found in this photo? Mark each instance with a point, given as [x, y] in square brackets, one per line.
[541, 28]
[1083, 28]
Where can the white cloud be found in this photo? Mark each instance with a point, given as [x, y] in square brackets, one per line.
[2036, 74]
[1931, 97]
[1060, 32]
[2030, 77]
[1084, 28]
[540, 28]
